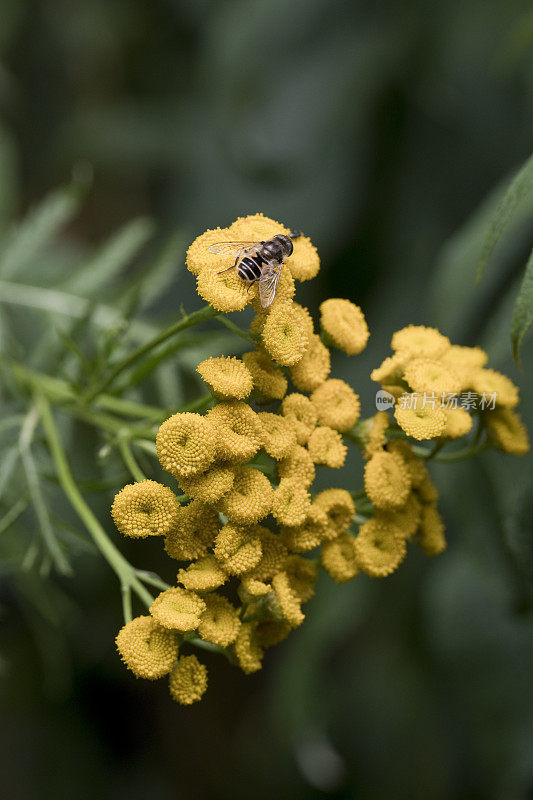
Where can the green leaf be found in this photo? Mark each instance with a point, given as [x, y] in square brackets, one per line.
[519, 188]
[38, 228]
[522, 318]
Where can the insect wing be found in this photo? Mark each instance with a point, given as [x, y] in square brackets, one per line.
[268, 285]
[226, 248]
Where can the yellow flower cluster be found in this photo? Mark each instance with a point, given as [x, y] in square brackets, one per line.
[251, 532]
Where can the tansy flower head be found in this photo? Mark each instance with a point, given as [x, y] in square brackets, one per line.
[314, 367]
[278, 436]
[430, 375]
[305, 537]
[146, 508]
[337, 404]
[238, 549]
[415, 466]
[458, 422]
[431, 537]
[387, 481]
[490, 382]
[267, 378]
[285, 600]
[203, 575]
[186, 444]
[193, 533]
[188, 681]
[147, 649]
[417, 340]
[344, 325]
[250, 498]
[227, 376]
[339, 508]
[302, 414]
[247, 649]
[379, 548]
[427, 491]
[273, 558]
[507, 432]
[419, 418]
[251, 589]
[406, 519]
[209, 486]
[390, 371]
[271, 632]
[238, 430]
[283, 335]
[372, 433]
[302, 574]
[177, 609]
[284, 292]
[299, 465]
[326, 447]
[219, 622]
[225, 291]
[464, 361]
[291, 502]
[305, 317]
[338, 558]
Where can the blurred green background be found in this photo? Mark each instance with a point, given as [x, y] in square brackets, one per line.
[386, 131]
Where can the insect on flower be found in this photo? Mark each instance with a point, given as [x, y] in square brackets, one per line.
[259, 261]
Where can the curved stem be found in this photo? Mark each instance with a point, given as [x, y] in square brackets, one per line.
[235, 329]
[129, 458]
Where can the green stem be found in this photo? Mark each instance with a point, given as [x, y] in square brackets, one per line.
[123, 569]
[460, 455]
[13, 514]
[205, 313]
[194, 639]
[152, 579]
[129, 458]
[236, 330]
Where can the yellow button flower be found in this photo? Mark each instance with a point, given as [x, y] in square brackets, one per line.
[372, 433]
[188, 681]
[271, 632]
[338, 558]
[219, 622]
[391, 370]
[305, 317]
[278, 435]
[430, 375]
[285, 291]
[247, 649]
[285, 600]
[250, 498]
[464, 361]
[193, 533]
[238, 549]
[337, 404]
[344, 325]
[419, 418]
[186, 444]
[379, 548]
[387, 481]
[458, 422]
[427, 491]
[227, 376]
[302, 574]
[406, 519]
[273, 558]
[225, 291]
[211, 485]
[147, 649]
[146, 508]
[339, 508]
[299, 465]
[291, 503]
[326, 447]
[313, 368]
[305, 537]
[507, 432]
[283, 335]
[302, 414]
[203, 575]
[415, 466]
[490, 382]
[431, 537]
[417, 340]
[238, 430]
[268, 379]
[177, 609]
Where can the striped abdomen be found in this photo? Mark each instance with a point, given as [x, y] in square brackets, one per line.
[250, 268]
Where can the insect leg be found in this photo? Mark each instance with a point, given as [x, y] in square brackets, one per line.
[239, 254]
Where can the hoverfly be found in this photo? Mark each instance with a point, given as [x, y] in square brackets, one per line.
[259, 261]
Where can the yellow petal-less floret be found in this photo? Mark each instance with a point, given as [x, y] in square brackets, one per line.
[177, 609]
[286, 601]
[427, 491]
[284, 293]
[283, 335]
[418, 340]
[238, 549]
[193, 533]
[391, 370]
[415, 466]
[507, 432]
[373, 433]
[336, 404]
[291, 502]
[146, 508]
[147, 649]
[267, 378]
[250, 498]
[326, 447]
[186, 444]
[227, 376]
[304, 262]
[270, 632]
[299, 465]
[302, 574]
[464, 361]
[188, 681]
[339, 508]
[489, 382]
[387, 481]
[278, 435]
[224, 291]
[247, 649]
[418, 418]
[305, 537]
[305, 317]
[203, 575]
[314, 367]
[238, 430]
[338, 558]
[209, 486]
[430, 375]
[379, 548]
[458, 422]
[431, 537]
[302, 413]
[406, 519]
[219, 622]
[344, 325]
[273, 558]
